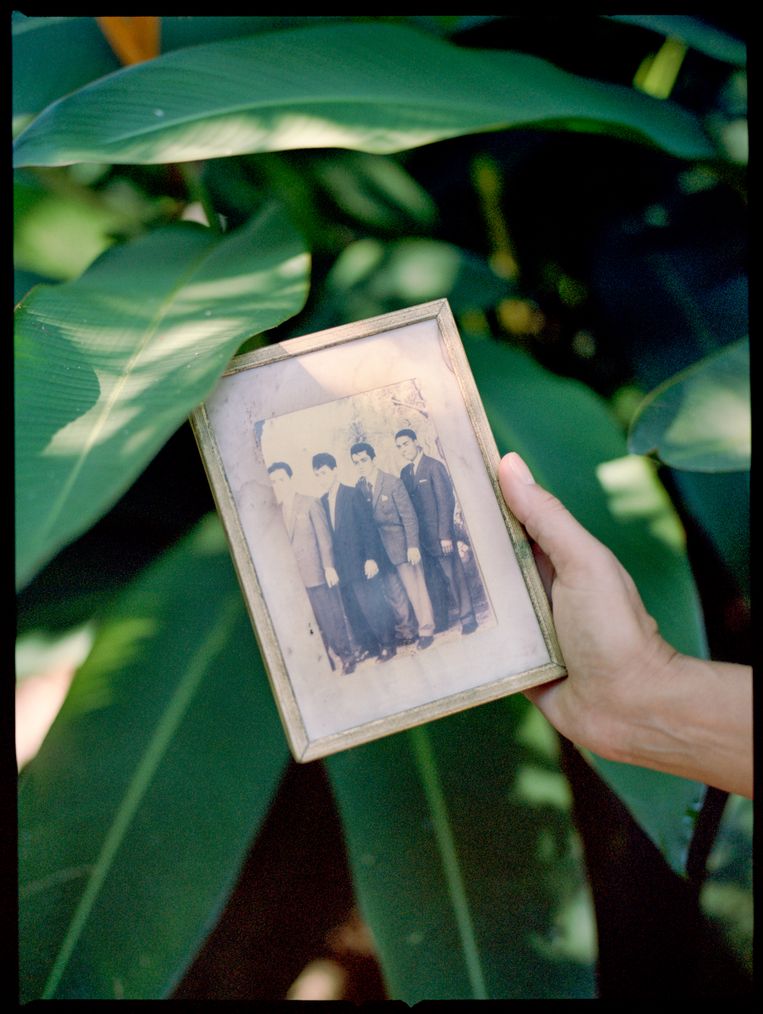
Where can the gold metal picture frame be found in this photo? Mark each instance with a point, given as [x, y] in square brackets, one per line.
[388, 585]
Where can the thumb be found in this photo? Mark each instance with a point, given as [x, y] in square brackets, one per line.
[568, 545]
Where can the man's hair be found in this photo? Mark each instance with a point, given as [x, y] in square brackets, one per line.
[324, 458]
[406, 433]
[362, 446]
[280, 465]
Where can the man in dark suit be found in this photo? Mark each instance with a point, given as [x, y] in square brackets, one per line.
[359, 557]
[310, 538]
[395, 518]
[431, 492]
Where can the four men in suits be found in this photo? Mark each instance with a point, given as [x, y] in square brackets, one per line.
[380, 559]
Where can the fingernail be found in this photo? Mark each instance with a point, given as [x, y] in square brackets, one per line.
[520, 469]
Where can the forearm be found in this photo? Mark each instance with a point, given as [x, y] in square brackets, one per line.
[698, 725]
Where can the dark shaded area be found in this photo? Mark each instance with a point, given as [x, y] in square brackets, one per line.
[654, 942]
[293, 893]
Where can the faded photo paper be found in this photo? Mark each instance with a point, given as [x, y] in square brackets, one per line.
[391, 584]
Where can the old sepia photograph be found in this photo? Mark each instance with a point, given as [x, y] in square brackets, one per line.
[387, 583]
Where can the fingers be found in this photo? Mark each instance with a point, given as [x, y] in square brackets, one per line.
[568, 545]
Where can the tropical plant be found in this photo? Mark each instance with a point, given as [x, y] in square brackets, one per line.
[575, 186]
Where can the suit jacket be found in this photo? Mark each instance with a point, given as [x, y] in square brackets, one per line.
[310, 538]
[395, 517]
[356, 538]
[431, 493]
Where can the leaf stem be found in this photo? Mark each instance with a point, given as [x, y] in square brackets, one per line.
[198, 192]
[427, 766]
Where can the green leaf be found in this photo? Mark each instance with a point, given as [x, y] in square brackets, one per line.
[370, 277]
[135, 816]
[695, 32]
[576, 449]
[54, 56]
[108, 366]
[699, 420]
[465, 861]
[376, 87]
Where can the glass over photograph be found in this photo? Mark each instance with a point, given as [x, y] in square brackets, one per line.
[355, 475]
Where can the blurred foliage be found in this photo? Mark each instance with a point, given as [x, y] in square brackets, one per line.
[575, 186]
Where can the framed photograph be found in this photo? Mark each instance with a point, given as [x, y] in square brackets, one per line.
[356, 477]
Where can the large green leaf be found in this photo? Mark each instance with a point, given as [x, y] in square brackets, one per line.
[465, 861]
[376, 87]
[136, 814]
[53, 56]
[576, 449]
[699, 420]
[108, 366]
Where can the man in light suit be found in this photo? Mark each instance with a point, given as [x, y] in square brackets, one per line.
[360, 560]
[398, 527]
[431, 492]
[310, 539]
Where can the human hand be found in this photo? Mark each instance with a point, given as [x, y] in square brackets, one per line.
[371, 569]
[447, 546]
[332, 578]
[414, 556]
[628, 695]
[612, 649]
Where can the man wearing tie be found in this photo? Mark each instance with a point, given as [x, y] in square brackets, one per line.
[398, 527]
[431, 492]
[310, 539]
[360, 559]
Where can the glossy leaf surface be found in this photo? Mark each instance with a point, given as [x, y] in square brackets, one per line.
[575, 449]
[465, 859]
[393, 88]
[699, 420]
[137, 812]
[108, 366]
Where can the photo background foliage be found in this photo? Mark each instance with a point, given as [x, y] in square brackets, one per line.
[576, 187]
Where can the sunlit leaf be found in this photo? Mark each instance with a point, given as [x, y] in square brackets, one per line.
[58, 233]
[108, 366]
[371, 277]
[465, 860]
[135, 816]
[576, 449]
[375, 87]
[699, 420]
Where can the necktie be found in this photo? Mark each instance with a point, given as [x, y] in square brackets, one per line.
[365, 488]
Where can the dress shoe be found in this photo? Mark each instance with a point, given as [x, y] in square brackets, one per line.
[469, 627]
[405, 641]
[386, 654]
[348, 667]
[424, 642]
[362, 655]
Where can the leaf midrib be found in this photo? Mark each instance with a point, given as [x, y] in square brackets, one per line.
[140, 782]
[113, 397]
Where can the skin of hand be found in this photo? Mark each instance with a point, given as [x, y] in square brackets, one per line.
[332, 578]
[628, 695]
[370, 569]
[414, 556]
[447, 546]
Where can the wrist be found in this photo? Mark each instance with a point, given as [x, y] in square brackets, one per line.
[695, 723]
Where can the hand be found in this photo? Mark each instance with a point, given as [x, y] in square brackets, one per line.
[414, 556]
[628, 694]
[447, 546]
[371, 569]
[332, 578]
